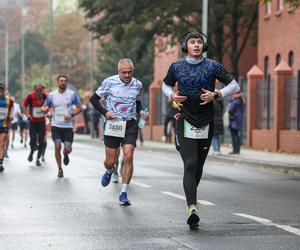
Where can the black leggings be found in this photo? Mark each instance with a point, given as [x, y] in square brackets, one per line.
[193, 153]
[37, 132]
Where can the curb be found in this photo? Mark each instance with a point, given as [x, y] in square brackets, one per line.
[287, 168]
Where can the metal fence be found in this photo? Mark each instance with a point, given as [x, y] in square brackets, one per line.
[292, 103]
[265, 104]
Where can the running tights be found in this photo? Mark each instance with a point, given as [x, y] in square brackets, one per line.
[193, 153]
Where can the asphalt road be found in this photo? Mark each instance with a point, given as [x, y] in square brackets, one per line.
[241, 208]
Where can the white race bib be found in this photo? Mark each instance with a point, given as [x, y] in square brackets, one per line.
[37, 112]
[195, 133]
[3, 113]
[59, 114]
[115, 128]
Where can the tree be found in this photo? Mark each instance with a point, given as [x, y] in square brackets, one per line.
[35, 54]
[71, 48]
[231, 22]
[141, 54]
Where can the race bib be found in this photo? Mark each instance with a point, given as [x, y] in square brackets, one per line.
[115, 128]
[59, 114]
[37, 112]
[195, 133]
[3, 113]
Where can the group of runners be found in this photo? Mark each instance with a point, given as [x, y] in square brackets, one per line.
[190, 82]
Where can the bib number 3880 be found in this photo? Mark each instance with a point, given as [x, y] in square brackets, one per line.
[195, 133]
[115, 128]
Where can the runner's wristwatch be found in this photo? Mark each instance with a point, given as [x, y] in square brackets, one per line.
[217, 94]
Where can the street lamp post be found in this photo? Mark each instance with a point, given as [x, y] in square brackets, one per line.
[50, 44]
[6, 51]
[204, 17]
[22, 51]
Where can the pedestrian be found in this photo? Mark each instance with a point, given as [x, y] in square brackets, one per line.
[236, 117]
[24, 127]
[172, 110]
[6, 116]
[32, 105]
[64, 104]
[196, 77]
[15, 122]
[122, 102]
[218, 126]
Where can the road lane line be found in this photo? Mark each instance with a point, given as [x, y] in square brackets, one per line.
[268, 222]
[203, 202]
[140, 184]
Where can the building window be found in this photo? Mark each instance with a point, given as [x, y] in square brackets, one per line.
[292, 7]
[291, 59]
[277, 59]
[279, 8]
[279, 5]
[266, 67]
[267, 8]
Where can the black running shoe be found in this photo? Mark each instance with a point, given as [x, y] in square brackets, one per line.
[30, 157]
[1, 168]
[38, 163]
[192, 217]
[60, 173]
[66, 159]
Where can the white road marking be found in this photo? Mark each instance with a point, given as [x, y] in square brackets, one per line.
[203, 202]
[140, 184]
[268, 222]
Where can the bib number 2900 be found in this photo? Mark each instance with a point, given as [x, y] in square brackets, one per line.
[195, 133]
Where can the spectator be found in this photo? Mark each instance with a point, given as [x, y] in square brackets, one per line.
[171, 112]
[218, 126]
[236, 115]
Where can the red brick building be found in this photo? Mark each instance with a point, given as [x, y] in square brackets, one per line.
[273, 120]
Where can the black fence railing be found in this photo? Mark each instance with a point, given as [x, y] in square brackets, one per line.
[265, 104]
[298, 102]
[291, 103]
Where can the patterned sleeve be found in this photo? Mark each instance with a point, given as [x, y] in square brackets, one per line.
[103, 88]
[222, 74]
[170, 78]
[139, 97]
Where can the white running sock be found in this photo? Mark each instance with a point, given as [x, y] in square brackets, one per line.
[124, 187]
[192, 207]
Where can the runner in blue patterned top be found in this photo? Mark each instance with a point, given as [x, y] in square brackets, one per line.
[119, 99]
[196, 76]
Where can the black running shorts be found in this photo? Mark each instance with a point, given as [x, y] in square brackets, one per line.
[131, 135]
[62, 134]
[3, 130]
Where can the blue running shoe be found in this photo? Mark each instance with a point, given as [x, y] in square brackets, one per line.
[123, 200]
[106, 179]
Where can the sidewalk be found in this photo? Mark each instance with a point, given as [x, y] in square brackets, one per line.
[281, 162]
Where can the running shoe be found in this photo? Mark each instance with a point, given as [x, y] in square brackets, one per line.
[43, 159]
[1, 168]
[60, 173]
[192, 217]
[115, 178]
[30, 157]
[105, 180]
[123, 200]
[66, 159]
[38, 163]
